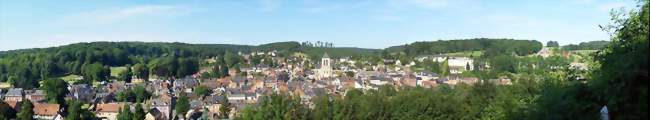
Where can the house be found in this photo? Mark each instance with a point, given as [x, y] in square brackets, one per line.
[154, 114]
[108, 111]
[81, 92]
[163, 105]
[47, 111]
[35, 96]
[545, 52]
[14, 94]
[456, 65]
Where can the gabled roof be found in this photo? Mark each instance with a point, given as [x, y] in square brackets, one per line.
[111, 107]
[46, 109]
[326, 55]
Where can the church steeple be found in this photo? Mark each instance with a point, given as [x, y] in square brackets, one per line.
[325, 61]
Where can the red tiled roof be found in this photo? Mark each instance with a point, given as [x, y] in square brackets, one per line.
[111, 107]
[46, 109]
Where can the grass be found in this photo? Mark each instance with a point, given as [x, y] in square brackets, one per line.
[71, 78]
[466, 54]
[116, 70]
[584, 52]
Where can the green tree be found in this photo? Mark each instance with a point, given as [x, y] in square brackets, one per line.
[75, 112]
[55, 90]
[621, 83]
[141, 94]
[201, 91]
[224, 110]
[139, 112]
[552, 44]
[125, 113]
[126, 75]
[182, 104]
[141, 71]
[444, 68]
[26, 110]
[6, 112]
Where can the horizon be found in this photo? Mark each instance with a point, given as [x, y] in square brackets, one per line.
[360, 24]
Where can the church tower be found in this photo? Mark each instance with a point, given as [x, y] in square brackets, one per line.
[325, 70]
[325, 62]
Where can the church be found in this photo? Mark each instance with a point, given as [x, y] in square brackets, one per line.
[325, 69]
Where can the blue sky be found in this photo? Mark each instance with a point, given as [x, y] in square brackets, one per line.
[346, 23]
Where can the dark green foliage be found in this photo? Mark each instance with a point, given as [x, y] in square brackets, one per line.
[591, 45]
[75, 112]
[26, 110]
[141, 71]
[182, 104]
[141, 94]
[126, 96]
[126, 75]
[277, 107]
[224, 110]
[521, 47]
[201, 91]
[552, 44]
[6, 112]
[125, 113]
[55, 90]
[95, 72]
[139, 112]
[621, 83]
[481, 101]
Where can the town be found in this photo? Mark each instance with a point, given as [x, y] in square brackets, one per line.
[324, 60]
[266, 73]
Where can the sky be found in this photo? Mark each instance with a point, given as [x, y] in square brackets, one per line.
[346, 23]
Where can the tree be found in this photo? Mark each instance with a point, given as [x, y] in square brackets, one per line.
[139, 112]
[141, 94]
[444, 68]
[95, 72]
[182, 104]
[621, 83]
[75, 112]
[224, 110]
[126, 96]
[552, 44]
[201, 91]
[125, 113]
[26, 110]
[6, 112]
[126, 75]
[141, 71]
[55, 90]
[230, 59]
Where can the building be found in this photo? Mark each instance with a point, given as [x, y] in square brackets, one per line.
[47, 111]
[325, 70]
[457, 65]
[14, 94]
[35, 96]
[108, 111]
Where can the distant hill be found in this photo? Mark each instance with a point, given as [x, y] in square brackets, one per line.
[591, 45]
[153, 49]
[521, 47]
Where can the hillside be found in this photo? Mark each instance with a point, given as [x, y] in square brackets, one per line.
[521, 47]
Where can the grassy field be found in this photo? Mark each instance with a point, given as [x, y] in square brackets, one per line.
[71, 78]
[466, 54]
[116, 70]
